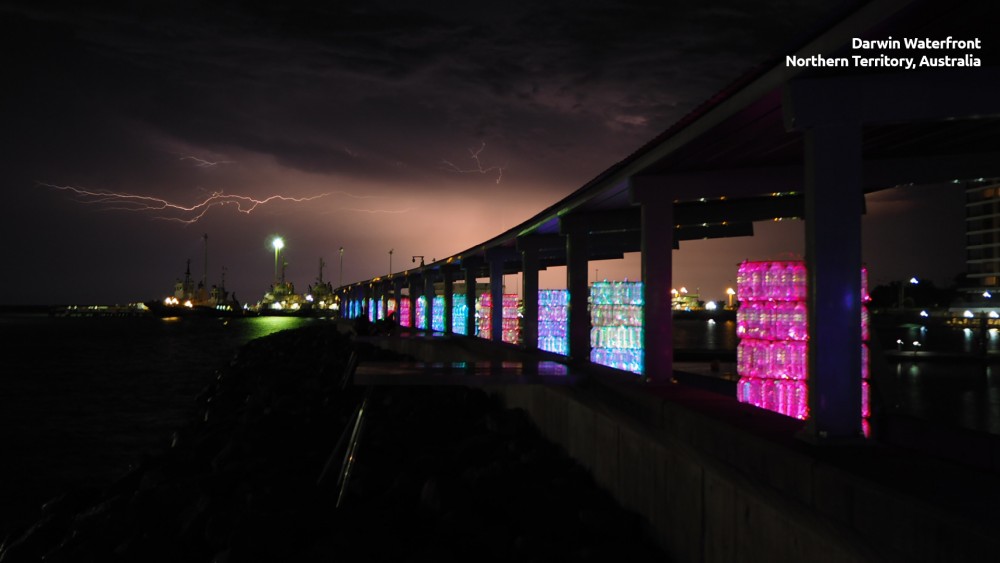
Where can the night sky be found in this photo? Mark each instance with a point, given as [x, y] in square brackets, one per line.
[419, 127]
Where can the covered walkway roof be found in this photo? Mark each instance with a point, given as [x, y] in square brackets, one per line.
[739, 157]
[786, 141]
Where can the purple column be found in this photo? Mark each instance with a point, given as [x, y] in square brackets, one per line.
[449, 289]
[577, 253]
[496, 299]
[529, 266]
[834, 202]
[470, 296]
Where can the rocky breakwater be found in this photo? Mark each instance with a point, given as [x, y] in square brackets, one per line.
[439, 472]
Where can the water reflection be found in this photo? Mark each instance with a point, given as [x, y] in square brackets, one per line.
[954, 394]
[705, 334]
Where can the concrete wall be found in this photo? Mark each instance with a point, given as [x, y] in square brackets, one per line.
[714, 492]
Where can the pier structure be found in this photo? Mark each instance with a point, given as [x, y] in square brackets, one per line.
[782, 142]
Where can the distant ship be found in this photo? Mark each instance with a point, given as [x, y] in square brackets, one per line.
[190, 299]
[320, 297]
[281, 299]
[194, 299]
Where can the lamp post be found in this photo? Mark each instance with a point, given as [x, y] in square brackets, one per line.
[278, 245]
[902, 286]
[730, 293]
[341, 283]
[390, 261]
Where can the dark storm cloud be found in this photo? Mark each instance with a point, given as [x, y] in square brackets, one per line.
[310, 98]
[305, 82]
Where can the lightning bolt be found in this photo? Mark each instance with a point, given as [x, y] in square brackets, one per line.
[202, 163]
[187, 214]
[474, 154]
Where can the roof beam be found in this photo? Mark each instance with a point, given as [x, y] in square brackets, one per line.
[736, 182]
[601, 221]
[890, 172]
[966, 93]
[739, 210]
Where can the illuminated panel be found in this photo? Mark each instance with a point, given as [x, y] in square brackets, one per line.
[459, 314]
[437, 313]
[511, 312]
[511, 319]
[616, 320]
[553, 320]
[371, 310]
[483, 310]
[404, 311]
[771, 323]
[421, 319]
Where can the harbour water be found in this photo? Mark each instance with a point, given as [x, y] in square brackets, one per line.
[82, 398]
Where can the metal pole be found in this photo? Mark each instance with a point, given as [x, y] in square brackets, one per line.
[204, 279]
[341, 284]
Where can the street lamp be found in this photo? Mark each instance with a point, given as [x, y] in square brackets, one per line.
[731, 293]
[902, 286]
[390, 261]
[341, 284]
[278, 245]
[414, 260]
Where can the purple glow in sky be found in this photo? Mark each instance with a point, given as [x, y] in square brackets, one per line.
[422, 128]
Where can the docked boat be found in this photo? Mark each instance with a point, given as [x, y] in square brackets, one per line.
[281, 299]
[195, 299]
[321, 300]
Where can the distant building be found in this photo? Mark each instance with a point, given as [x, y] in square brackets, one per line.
[982, 234]
[981, 294]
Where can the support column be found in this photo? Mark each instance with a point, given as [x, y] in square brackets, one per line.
[366, 296]
[428, 299]
[496, 299]
[471, 267]
[834, 202]
[397, 292]
[657, 243]
[529, 273]
[577, 254]
[447, 272]
[414, 283]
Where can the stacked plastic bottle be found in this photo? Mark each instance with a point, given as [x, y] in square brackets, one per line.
[616, 338]
[511, 324]
[459, 313]
[420, 319]
[511, 319]
[404, 311]
[553, 320]
[437, 313]
[772, 324]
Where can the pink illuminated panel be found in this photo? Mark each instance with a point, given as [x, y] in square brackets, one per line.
[404, 311]
[772, 356]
